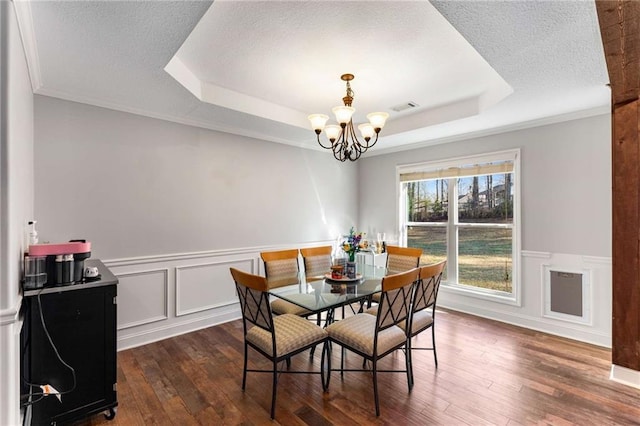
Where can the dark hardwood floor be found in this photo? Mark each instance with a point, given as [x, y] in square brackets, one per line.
[489, 373]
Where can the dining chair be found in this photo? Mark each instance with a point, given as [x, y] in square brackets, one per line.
[277, 338]
[402, 258]
[374, 337]
[317, 261]
[281, 269]
[423, 307]
[399, 259]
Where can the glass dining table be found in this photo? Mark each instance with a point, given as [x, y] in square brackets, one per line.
[324, 294]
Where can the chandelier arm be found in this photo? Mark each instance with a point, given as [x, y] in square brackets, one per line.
[357, 151]
[337, 149]
[320, 143]
[374, 142]
[352, 132]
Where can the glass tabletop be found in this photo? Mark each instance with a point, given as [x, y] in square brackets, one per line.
[318, 295]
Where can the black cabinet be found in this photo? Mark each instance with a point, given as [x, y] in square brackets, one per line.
[81, 321]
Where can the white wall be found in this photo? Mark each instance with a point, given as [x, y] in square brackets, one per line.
[566, 214]
[171, 207]
[16, 201]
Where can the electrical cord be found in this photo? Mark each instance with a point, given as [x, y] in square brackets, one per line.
[55, 349]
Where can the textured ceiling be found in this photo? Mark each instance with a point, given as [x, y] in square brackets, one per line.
[257, 68]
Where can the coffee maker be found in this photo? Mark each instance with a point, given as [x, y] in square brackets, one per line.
[48, 265]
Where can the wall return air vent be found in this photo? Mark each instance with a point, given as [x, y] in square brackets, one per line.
[567, 294]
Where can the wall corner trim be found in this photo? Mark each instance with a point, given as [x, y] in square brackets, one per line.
[28, 35]
[9, 316]
[624, 375]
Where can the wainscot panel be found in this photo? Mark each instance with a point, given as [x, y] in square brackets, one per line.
[209, 285]
[167, 295]
[533, 314]
[143, 297]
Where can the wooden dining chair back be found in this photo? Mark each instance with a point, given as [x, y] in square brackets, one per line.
[374, 337]
[402, 258]
[276, 338]
[317, 261]
[395, 299]
[423, 307]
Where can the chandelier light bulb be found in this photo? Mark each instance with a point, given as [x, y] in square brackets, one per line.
[366, 130]
[343, 114]
[318, 121]
[332, 131]
[377, 119]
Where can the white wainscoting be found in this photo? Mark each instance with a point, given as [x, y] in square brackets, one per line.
[167, 295]
[143, 297]
[194, 289]
[531, 313]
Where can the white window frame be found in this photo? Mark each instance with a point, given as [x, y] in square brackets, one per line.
[513, 298]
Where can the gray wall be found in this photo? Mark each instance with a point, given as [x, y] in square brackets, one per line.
[565, 226]
[16, 201]
[566, 184]
[136, 186]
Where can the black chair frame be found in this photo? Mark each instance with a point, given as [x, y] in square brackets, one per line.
[262, 317]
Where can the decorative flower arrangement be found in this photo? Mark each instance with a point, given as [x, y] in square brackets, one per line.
[351, 245]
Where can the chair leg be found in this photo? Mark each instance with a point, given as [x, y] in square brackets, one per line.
[409, 364]
[313, 349]
[342, 353]
[244, 369]
[433, 338]
[288, 363]
[375, 384]
[274, 389]
[326, 357]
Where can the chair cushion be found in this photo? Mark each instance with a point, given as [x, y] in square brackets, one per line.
[376, 297]
[421, 320]
[358, 332]
[280, 307]
[372, 310]
[292, 333]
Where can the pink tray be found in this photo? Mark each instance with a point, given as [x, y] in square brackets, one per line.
[61, 248]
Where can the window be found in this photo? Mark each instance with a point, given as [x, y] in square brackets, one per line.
[466, 211]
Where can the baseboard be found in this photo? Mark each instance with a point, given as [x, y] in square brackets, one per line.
[626, 376]
[534, 323]
[139, 338]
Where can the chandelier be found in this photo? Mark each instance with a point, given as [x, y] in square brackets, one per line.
[344, 142]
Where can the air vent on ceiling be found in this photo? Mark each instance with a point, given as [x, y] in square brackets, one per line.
[404, 106]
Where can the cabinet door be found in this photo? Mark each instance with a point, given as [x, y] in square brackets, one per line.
[81, 324]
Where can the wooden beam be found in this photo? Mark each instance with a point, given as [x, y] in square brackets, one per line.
[620, 30]
[626, 232]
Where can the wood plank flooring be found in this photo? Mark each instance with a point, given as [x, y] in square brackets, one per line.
[489, 374]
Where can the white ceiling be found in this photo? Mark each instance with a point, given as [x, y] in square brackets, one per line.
[259, 68]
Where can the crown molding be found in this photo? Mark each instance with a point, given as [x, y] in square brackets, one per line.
[544, 121]
[575, 115]
[28, 35]
[97, 102]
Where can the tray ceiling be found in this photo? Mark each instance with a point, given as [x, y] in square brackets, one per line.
[259, 68]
